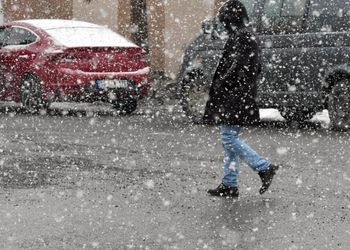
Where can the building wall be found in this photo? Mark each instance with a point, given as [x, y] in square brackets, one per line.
[27, 9]
[217, 5]
[1, 13]
[156, 35]
[103, 12]
[182, 24]
[124, 18]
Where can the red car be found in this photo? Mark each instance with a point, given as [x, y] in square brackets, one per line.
[42, 61]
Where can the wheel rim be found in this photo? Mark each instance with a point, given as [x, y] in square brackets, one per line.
[339, 105]
[196, 101]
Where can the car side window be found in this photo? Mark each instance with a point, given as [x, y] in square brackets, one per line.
[330, 8]
[273, 8]
[329, 16]
[20, 36]
[283, 17]
[292, 8]
[269, 20]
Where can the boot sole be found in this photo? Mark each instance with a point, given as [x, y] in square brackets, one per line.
[274, 170]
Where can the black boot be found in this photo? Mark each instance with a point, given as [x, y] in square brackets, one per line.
[266, 177]
[224, 191]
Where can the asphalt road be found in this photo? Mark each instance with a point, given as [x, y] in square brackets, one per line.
[79, 180]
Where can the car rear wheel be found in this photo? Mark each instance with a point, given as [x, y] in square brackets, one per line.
[339, 105]
[194, 97]
[126, 106]
[31, 94]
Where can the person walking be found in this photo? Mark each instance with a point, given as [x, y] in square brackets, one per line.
[232, 100]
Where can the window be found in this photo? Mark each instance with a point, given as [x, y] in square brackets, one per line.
[338, 8]
[329, 16]
[293, 8]
[283, 16]
[20, 36]
[273, 8]
[249, 5]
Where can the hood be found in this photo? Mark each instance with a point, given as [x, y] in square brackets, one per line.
[233, 15]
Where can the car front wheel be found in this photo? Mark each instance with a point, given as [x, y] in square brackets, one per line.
[31, 94]
[195, 94]
[339, 105]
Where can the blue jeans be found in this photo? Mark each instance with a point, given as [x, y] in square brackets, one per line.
[236, 149]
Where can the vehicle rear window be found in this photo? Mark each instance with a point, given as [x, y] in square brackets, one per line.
[88, 37]
[249, 5]
[283, 16]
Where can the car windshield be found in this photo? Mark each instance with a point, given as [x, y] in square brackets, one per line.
[88, 37]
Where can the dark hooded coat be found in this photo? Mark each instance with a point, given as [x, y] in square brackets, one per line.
[232, 96]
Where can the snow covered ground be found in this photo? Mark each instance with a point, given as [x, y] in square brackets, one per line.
[265, 114]
[136, 182]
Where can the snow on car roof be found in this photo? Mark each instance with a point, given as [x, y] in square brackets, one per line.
[59, 23]
[71, 33]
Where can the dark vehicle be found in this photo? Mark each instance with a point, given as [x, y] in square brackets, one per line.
[305, 59]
